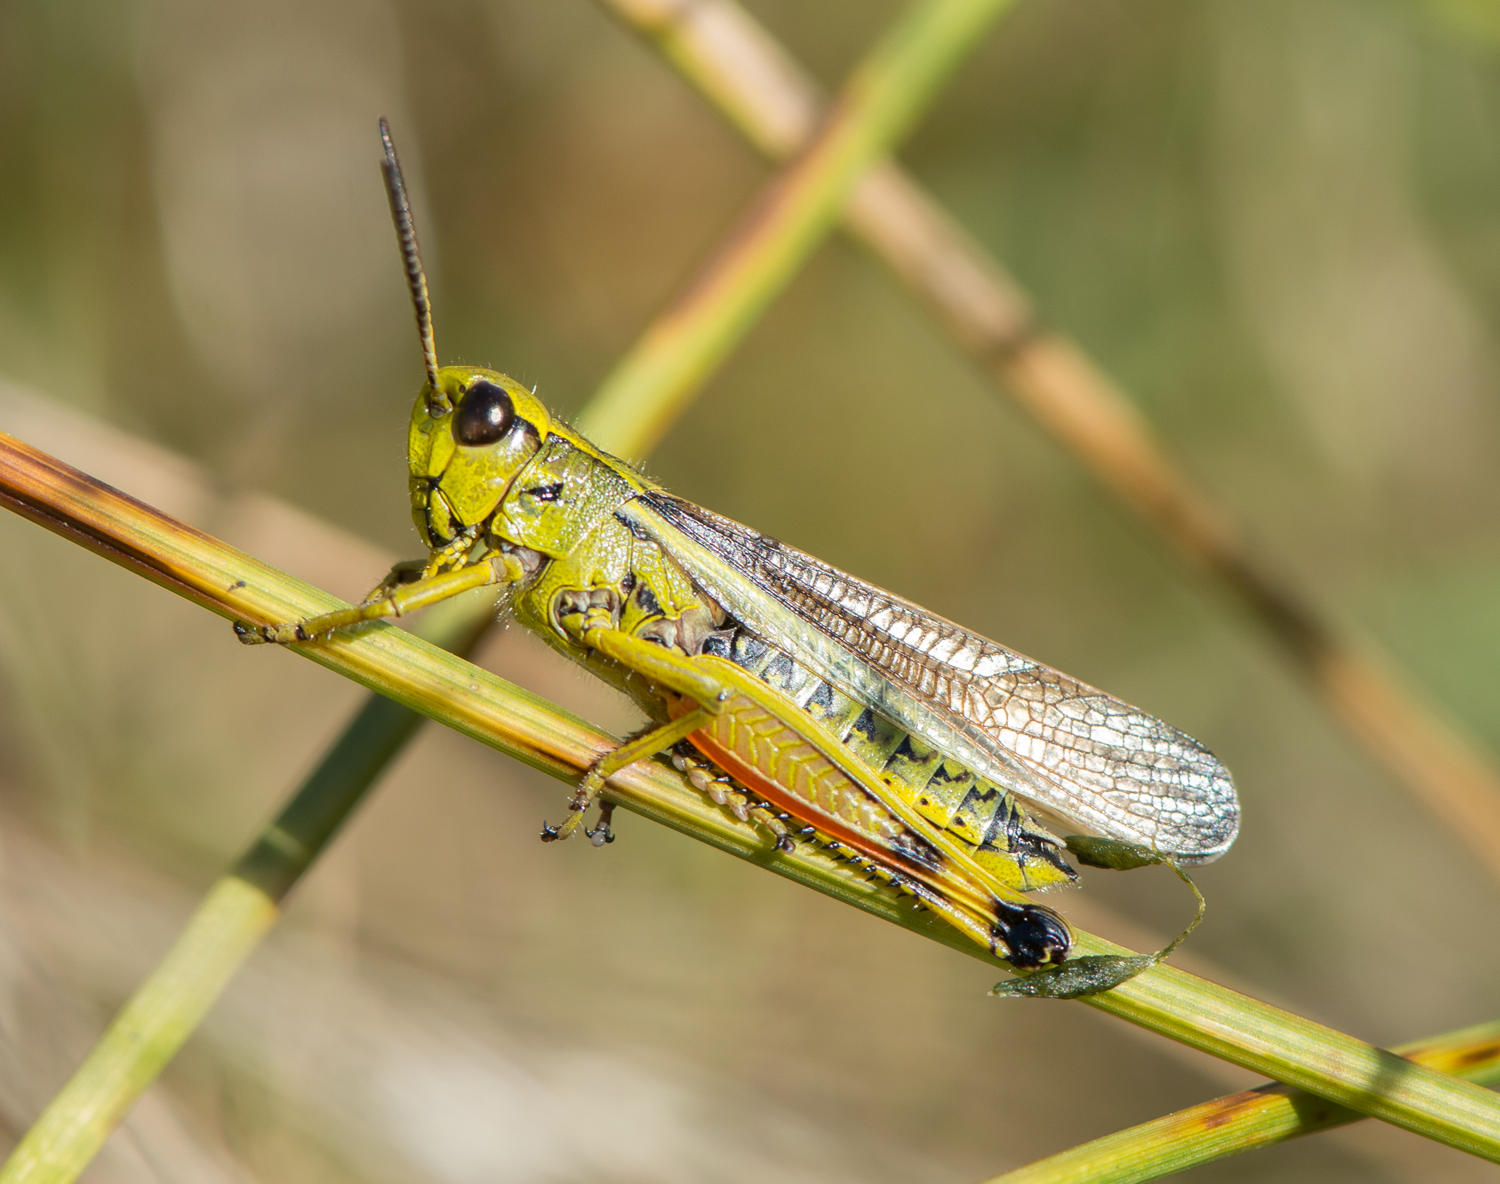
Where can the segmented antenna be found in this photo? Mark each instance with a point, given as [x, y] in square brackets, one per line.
[411, 256]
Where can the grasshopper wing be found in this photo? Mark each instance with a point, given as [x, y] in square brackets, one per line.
[1070, 749]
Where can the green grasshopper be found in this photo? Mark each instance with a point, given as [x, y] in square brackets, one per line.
[818, 706]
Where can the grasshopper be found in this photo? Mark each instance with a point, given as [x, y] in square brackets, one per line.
[819, 707]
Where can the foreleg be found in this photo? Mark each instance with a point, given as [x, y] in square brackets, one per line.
[388, 600]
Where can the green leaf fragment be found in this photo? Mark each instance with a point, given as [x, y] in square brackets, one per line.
[1094, 974]
[1111, 853]
[1078, 977]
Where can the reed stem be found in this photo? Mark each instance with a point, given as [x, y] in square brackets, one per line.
[879, 104]
[1245, 1121]
[485, 707]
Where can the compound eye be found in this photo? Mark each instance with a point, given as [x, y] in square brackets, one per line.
[484, 416]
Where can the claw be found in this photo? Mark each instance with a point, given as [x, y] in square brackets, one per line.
[250, 634]
[278, 634]
[601, 833]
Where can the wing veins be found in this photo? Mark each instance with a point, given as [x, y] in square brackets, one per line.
[1059, 742]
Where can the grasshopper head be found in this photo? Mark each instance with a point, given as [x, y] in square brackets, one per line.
[472, 431]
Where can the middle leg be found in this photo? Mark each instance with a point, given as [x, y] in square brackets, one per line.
[658, 739]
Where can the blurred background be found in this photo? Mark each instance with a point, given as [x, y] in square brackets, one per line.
[1274, 221]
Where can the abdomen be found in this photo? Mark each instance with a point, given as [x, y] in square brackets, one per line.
[986, 818]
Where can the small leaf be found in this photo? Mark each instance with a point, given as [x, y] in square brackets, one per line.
[1111, 853]
[1077, 977]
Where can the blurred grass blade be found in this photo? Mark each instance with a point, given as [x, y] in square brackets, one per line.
[1243, 1122]
[738, 65]
[882, 99]
[489, 709]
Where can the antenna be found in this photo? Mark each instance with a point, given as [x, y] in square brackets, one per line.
[411, 257]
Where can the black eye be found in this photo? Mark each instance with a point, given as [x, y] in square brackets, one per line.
[484, 416]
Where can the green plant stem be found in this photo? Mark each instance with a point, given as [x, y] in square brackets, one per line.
[1243, 1122]
[720, 49]
[881, 101]
[485, 707]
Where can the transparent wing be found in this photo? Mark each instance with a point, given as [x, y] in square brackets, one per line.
[1068, 747]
